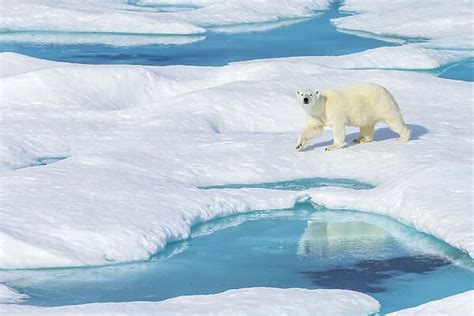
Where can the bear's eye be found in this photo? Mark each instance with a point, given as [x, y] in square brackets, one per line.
[310, 95]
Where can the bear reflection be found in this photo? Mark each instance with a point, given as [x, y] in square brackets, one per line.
[323, 239]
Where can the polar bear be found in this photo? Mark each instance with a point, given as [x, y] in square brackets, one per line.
[361, 105]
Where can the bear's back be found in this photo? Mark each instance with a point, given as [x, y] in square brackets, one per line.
[363, 104]
[364, 89]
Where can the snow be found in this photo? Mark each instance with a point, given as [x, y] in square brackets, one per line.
[247, 301]
[406, 57]
[235, 12]
[101, 38]
[442, 24]
[9, 296]
[14, 64]
[122, 23]
[139, 140]
[93, 16]
[460, 304]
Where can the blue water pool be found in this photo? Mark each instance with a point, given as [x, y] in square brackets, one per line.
[298, 185]
[163, 7]
[303, 37]
[299, 247]
[462, 71]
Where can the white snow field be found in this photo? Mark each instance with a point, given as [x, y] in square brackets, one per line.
[460, 304]
[139, 140]
[249, 301]
[442, 24]
[110, 21]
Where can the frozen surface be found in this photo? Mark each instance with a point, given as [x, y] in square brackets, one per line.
[95, 21]
[249, 301]
[9, 296]
[88, 16]
[408, 57]
[443, 24]
[461, 304]
[141, 140]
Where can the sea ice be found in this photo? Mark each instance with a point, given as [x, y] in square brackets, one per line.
[141, 140]
[9, 296]
[247, 301]
[460, 304]
[441, 24]
[122, 23]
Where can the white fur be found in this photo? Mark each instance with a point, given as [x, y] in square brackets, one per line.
[362, 105]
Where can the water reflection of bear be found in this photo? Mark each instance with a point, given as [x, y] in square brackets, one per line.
[327, 238]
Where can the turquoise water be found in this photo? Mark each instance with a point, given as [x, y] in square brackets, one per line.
[299, 247]
[164, 7]
[298, 185]
[306, 37]
[43, 161]
[462, 71]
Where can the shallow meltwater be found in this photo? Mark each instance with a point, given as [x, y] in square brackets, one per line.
[163, 7]
[298, 185]
[299, 247]
[462, 71]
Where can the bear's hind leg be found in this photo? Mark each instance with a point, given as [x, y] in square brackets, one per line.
[399, 127]
[366, 134]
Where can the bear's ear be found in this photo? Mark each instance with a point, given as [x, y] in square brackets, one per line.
[297, 92]
[317, 93]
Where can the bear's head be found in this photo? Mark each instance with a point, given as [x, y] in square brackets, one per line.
[310, 100]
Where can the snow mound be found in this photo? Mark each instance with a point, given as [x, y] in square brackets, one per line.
[460, 304]
[247, 301]
[88, 16]
[409, 57]
[9, 296]
[438, 23]
[123, 23]
[14, 64]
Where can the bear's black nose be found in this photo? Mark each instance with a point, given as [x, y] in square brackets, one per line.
[305, 100]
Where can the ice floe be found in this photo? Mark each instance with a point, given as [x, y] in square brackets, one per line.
[9, 296]
[125, 23]
[141, 140]
[460, 304]
[247, 301]
[442, 24]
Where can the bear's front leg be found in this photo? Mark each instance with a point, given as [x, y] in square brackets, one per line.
[338, 134]
[311, 129]
[301, 142]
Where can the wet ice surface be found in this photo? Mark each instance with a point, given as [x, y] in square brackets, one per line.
[397, 265]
